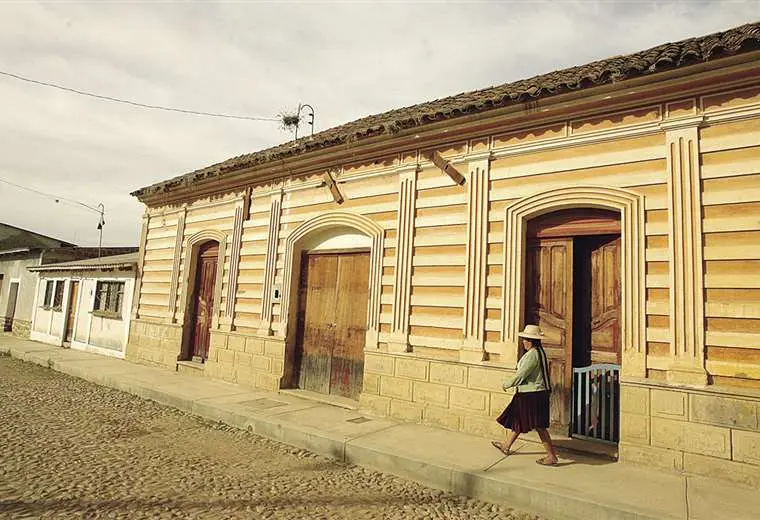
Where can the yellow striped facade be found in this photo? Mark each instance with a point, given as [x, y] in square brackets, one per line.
[685, 166]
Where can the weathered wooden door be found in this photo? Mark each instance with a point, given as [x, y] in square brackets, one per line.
[332, 323]
[72, 312]
[597, 301]
[203, 303]
[549, 304]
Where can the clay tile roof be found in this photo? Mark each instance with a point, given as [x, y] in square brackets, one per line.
[657, 59]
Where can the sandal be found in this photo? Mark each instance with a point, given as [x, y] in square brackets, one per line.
[544, 462]
[499, 446]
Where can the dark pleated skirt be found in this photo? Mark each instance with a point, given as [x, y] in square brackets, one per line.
[526, 412]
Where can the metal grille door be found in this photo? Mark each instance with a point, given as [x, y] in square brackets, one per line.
[596, 402]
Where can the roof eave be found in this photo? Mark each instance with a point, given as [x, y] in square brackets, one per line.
[290, 165]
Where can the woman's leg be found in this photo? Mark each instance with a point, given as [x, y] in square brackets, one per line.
[511, 438]
[551, 455]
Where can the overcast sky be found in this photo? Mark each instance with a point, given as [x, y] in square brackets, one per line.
[347, 59]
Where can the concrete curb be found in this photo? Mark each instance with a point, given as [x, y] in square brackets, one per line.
[359, 450]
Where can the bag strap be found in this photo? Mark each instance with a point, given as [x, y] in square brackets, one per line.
[544, 367]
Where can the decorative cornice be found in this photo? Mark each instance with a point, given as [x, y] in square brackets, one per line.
[684, 122]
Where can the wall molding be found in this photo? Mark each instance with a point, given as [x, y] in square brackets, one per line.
[237, 239]
[270, 262]
[476, 258]
[178, 243]
[687, 300]
[633, 292]
[402, 281]
[140, 265]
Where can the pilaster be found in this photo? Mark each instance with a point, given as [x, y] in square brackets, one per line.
[402, 283]
[178, 242]
[476, 260]
[140, 265]
[687, 303]
[275, 211]
[232, 278]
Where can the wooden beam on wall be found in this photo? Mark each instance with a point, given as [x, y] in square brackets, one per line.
[330, 182]
[445, 166]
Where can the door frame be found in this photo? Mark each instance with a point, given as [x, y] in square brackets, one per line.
[71, 317]
[192, 252]
[295, 244]
[633, 304]
[8, 325]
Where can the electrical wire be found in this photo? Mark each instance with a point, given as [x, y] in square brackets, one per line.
[50, 195]
[134, 103]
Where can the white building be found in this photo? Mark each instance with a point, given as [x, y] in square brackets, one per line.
[85, 304]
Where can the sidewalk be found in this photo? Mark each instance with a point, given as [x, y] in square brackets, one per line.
[581, 487]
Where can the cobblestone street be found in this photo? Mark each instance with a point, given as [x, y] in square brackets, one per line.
[75, 450]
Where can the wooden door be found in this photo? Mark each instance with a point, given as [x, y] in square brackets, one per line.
[332, 323]
[352, 299]
[72, 311]
[10, 310]
[319, 282]
[597, 301]
[549, 304]
[203, 300]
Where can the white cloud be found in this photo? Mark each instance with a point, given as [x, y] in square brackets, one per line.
[347, 59]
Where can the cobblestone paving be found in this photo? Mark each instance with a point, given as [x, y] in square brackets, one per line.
[71, 449]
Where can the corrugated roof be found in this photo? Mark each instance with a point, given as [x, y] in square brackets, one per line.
[651, 61]
[92, 264]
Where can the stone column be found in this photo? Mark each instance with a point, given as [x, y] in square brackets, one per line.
[476, 266]
[275, 210]
[687, 301]
[402, 282]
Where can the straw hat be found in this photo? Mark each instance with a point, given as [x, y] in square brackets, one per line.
[531, 332]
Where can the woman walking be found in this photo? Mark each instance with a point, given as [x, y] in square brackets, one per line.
[529, 408]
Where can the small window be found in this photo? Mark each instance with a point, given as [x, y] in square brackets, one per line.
[58, 298]
[109, 296]
[49, 286]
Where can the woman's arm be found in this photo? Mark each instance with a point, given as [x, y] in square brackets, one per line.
[526, 366]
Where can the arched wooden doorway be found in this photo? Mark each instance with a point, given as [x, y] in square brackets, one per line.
[201, 305]
[332, 322]
[573, 291]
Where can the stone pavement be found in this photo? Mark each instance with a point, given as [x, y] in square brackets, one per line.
[581, 487]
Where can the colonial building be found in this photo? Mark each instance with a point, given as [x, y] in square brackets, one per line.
[85, 304]
[393, 260]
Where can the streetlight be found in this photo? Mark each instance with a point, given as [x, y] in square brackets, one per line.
[311, 117]
[101, 223]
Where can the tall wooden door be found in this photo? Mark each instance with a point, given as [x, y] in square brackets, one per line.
[72, 311]
[203, 300]
[597, 301]
[549, 304]
[332, 323]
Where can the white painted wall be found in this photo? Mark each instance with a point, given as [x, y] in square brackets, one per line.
[91, 333]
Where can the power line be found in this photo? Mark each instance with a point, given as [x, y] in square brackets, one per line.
[134, 103]
[50, 195]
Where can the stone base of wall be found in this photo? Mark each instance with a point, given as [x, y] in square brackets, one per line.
[706, 431]
[445, 394]
[21, 328]
[153, 343]
[255, 361]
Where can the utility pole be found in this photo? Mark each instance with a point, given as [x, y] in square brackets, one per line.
[101, 223]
